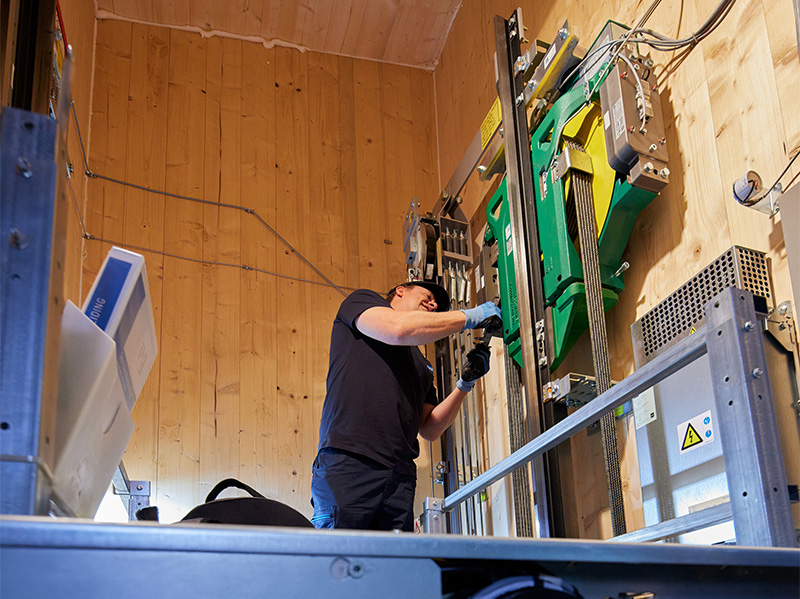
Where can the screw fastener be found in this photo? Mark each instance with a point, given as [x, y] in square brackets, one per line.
[757, 372]
[749, 325]
[24, 167]
[17, 239]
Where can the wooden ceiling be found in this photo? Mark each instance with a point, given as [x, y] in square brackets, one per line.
[409, 32]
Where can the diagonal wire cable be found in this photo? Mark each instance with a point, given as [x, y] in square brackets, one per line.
[93, 175]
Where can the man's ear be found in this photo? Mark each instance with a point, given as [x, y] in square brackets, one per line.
[400, 291]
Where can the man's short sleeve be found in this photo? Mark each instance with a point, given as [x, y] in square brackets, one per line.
[357, 303]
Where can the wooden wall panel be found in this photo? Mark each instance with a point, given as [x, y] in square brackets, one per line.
[320, 149]
[180, 357]
[728, 108]
[108, 148]
[144, 212]
[79, 26]
[258, 329]
[408, 32]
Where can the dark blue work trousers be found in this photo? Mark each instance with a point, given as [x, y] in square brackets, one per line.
[351, 491]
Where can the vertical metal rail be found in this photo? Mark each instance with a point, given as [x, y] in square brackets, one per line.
[525, 243]
[747, 425]
[31, 300]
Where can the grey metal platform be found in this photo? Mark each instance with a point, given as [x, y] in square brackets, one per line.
[44, 557]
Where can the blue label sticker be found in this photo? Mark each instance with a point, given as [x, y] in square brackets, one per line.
[106, 294]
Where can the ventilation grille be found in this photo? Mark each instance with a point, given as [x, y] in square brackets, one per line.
[674, 318]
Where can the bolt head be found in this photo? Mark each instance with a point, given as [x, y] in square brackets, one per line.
[749, 325]
[653, 147]
[648, 167]
[24, 167]
[664, 172]
[757, 372]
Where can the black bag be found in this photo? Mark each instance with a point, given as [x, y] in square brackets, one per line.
[255, 510]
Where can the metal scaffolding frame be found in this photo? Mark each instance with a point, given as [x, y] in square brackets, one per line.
[748, 430]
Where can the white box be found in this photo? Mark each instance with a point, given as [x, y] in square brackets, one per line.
[119, 303]
[94, 425]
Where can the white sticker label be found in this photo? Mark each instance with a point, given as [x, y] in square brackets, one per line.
[644, 408]
[509, 245]
[696, 432]
[606, 120]
[549, 56]
[618, 112]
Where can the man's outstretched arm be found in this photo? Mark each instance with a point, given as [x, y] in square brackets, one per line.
[417, 327]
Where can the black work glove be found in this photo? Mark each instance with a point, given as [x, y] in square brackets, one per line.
[476, 366]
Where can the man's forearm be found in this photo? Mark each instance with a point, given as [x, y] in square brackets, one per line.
[409, 328]
[442, 416]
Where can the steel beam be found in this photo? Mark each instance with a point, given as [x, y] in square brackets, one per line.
[525, 244]
[746, 421]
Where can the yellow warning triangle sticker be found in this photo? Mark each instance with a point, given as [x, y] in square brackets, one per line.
[691, 438]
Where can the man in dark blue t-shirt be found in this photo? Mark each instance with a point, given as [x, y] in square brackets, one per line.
[380, 397]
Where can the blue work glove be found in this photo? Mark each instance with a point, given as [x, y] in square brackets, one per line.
[475, 367]
[477, 316]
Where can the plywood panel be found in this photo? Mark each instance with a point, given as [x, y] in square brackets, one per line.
[144, 213]
[371, 178]
[258, 329]
[219, 401]
[398, 157]
[410, 32]
[349, 213]
[179, 410]
[294, 453]
[104, 210]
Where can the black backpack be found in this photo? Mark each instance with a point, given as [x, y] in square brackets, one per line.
[255, 510]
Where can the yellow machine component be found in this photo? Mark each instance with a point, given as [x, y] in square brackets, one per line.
[586, 128]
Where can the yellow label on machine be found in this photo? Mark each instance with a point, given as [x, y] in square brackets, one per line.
[491, 123]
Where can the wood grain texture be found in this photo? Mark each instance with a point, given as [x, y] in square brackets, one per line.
[144, 212]
[79, 25]
[728, 106]
[407, 32]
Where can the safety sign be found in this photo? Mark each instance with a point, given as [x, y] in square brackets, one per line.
[696, 432]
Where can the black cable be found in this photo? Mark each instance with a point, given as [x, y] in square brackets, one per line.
[748, 202]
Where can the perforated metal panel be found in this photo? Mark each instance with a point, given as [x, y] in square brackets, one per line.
[682, 311]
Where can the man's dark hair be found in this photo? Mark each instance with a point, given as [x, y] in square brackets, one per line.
[393, 292]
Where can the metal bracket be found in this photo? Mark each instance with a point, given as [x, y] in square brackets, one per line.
[433, 518]
[571, 159]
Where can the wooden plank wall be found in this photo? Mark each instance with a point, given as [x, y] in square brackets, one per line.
[329, 152]
[79, 25]
[410, 32]
[729, 106]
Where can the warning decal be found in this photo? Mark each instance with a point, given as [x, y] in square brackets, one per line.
[695, 432]
[691, 438]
